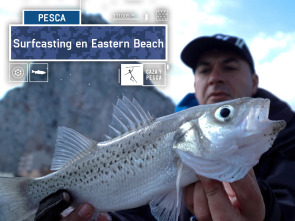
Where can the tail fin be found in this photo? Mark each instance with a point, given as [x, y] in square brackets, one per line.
[14, 202]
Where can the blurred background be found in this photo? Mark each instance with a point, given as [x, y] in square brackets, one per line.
[80, 95]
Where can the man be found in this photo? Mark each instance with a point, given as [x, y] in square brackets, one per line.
[224, 70]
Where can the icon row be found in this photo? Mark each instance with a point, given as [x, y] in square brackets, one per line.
[24, 72]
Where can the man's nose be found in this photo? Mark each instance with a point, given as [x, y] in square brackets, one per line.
[216, 75]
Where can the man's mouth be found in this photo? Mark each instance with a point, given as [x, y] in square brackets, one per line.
[218, 95]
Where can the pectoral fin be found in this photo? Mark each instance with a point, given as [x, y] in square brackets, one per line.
[166, 207]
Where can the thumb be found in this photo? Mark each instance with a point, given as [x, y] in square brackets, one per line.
[82, 213]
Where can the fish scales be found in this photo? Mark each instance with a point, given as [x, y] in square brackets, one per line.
[150, 160]
[139, 157]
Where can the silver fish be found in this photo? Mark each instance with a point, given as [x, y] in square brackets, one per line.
[147, 160]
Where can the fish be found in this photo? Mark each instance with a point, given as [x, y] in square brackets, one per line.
[147, 160]
[38, 72]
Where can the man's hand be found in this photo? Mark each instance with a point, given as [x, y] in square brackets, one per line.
[51, 207]
[214, 200]
[83, 213]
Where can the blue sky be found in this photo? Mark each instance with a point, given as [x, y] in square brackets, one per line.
[266, 25]
[253, 16]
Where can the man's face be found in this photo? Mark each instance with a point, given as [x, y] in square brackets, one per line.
[222, 76]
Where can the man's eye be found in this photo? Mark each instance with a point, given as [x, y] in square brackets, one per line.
[230, 68]
[204, 71]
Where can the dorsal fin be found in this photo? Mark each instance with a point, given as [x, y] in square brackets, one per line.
[70, 145]
[127, 116]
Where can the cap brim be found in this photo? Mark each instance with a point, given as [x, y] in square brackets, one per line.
[193, 50]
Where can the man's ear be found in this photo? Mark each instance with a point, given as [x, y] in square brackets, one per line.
[255, 81]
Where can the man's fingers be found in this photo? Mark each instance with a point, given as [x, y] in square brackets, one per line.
[218, 201]
[82, 213]
[196, 201]
[247, 192]
[51, 206]
[102, 217]
[189, 197]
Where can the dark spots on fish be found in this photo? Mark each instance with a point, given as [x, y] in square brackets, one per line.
[81, 180]
[113, 153]
[121, 145]
[104, 164]
[111, 163]
[118, 155]
[93, 161]
[106, 173]
[75, 172]
[107, 151]
[128, 172]
[142, 134]
[95, 177]
[137, 145]
[91, 179]
[129, 142]
[140, 165]
[125, 161]
[119, 167]
[97, 158]
[87, 172]
[143, 147]
[63, 176]
[115, 172]
[154, 146]
[102, 155]
[149, 134]
[147, 157]
[123, 151]
[153, 156]
[70, 174]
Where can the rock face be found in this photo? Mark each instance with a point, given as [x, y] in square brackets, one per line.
[78, 95]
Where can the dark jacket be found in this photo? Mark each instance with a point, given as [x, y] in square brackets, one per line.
[275, 171]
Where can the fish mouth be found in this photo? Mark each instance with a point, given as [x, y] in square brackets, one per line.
[259, 115]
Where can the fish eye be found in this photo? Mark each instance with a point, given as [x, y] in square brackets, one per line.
[224, 113]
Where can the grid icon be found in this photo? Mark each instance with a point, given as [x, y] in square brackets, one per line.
[162, 15]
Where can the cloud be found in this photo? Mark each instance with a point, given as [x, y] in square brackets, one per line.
[263, 46]
[274, 56]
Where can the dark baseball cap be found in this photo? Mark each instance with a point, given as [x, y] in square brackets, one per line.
[192, 51]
